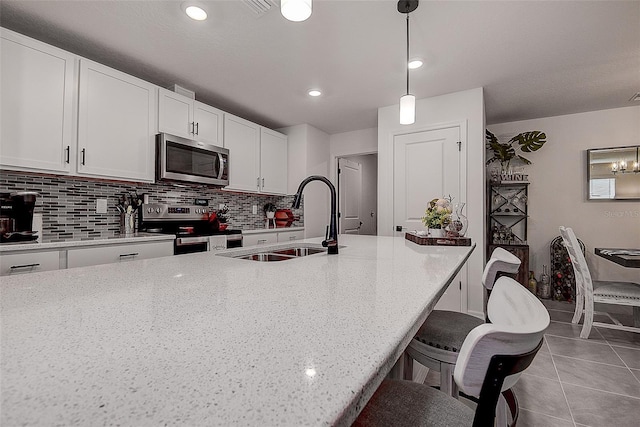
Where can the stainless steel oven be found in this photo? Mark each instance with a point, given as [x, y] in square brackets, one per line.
[190, 225]
[181, 159]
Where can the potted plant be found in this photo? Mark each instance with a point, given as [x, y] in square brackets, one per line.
[437, 216]
[505, 152]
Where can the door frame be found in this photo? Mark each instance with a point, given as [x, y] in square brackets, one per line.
[336, 176]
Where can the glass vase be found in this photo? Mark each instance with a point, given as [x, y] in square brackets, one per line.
[459, 222]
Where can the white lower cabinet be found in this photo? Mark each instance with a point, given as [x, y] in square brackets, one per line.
[83, 257]
[29, 262]
[288, 236]
[259, 239]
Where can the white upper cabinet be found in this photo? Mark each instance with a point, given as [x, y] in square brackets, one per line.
[175, 113]
[185, 117]
[37, 107]
[242, 138]
[273, 161]
[116, 124]
[257, 157]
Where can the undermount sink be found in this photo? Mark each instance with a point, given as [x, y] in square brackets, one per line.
[298, 251]
[277, 253]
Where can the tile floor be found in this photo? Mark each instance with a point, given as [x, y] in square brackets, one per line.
[577, 382]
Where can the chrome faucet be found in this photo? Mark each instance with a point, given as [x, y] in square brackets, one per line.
[331, 239]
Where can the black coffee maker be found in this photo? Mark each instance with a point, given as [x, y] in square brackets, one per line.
[16, 216]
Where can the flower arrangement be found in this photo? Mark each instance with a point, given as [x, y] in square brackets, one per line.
[437, 214]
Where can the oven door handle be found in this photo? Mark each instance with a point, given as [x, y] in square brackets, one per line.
[191, 240]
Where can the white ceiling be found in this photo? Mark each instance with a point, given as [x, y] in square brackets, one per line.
[534, 59]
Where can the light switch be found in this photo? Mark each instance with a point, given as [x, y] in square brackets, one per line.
[101, 206]
[255, 209]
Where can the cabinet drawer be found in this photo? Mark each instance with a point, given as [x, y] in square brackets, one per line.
[29, 262]
[120, 253]
[259, 239]
[287, 236]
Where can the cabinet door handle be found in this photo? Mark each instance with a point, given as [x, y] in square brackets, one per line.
[258, 183]
[129, 255]
[15, 267]
[83, 155]
[67, 150]
[197, 128]
[261, 241]
[292, 237]
[262, 182]
[193, 127]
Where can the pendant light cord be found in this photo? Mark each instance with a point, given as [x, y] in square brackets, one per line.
[407, 64]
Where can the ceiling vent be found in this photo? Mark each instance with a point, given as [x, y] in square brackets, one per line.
[635, 97]
[259, 7]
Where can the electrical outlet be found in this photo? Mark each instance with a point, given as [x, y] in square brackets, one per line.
[255, 209]
[101, 206]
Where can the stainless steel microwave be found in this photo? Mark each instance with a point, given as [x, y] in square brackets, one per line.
[181, 159]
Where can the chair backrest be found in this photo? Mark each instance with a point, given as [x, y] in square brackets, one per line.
[580, 268]
[501, 261]
[518, 323]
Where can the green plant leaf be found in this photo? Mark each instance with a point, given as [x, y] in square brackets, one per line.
[530, 141]
[490, 138]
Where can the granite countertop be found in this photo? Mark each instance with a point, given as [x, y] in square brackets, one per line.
[202, 339]
[116, 239]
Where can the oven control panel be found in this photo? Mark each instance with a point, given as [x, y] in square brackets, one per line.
[150, 212]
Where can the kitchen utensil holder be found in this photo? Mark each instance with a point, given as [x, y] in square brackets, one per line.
[127, 223]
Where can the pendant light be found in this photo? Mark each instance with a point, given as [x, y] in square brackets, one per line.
[408, 101]
[296, 10]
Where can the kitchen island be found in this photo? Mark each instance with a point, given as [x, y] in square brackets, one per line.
[202, 339]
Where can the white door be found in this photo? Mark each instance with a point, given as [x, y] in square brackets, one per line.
[350, 188]
[427, 165]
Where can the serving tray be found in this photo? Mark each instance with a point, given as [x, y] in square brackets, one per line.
[438, 241]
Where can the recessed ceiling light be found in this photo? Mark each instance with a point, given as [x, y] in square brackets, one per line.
[195, 12]
[314, 92]
[415, 63]
[296, 10]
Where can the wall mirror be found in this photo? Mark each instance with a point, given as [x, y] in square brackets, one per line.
[613, 173]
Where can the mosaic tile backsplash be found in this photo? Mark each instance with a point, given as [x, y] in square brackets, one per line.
[68, 204]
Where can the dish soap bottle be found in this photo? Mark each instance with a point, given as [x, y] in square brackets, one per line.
[533, 283]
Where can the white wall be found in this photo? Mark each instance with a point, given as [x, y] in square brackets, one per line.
[345, 144]
[557, 193]
[308, 154]
[466, 108]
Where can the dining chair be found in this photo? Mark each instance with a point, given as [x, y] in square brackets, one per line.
[589, 291]
[492, 357]
[439, 339]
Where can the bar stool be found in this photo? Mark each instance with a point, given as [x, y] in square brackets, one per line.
[490, 362]
[438, 341]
